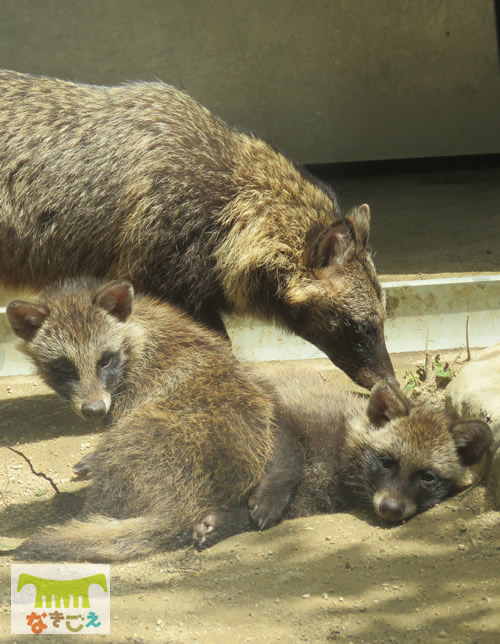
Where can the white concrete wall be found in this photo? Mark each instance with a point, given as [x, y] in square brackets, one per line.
[325, 81]
[430, 311]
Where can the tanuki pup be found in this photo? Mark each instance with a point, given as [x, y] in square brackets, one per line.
[140, 182]
[384, 453]
[191, 428]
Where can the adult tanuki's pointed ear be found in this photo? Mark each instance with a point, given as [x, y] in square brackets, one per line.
[361, 217]
[333, 245]
[116, 298]
[26, 317]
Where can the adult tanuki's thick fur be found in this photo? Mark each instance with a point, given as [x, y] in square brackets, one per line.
[143, 183]
[191, 428]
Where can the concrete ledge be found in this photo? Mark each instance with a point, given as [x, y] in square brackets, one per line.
[437, 309]
[433, 310]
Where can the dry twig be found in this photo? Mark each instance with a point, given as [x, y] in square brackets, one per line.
[41, 474]
[467, 339]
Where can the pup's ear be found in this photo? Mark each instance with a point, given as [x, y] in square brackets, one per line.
[472, 439]
[386, 402]
[116, 298]
[26, 317]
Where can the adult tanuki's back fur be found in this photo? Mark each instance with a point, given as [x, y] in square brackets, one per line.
[191, 428]
[143, 183]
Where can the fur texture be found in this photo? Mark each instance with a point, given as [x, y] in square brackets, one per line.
[141, 182]
[190, 428]
[196, 437]
[384, 453]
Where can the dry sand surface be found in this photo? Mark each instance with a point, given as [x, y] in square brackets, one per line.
[342, 577]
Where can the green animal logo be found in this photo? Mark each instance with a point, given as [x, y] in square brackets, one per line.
[62, 589]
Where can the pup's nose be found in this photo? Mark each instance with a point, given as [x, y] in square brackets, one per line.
[391, 510]
[93, 410]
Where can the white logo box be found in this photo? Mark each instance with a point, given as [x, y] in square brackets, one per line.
[64, 599]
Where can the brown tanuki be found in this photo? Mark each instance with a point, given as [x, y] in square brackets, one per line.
[141, 182]
[385, 453]
[191, 429]
[196, 438]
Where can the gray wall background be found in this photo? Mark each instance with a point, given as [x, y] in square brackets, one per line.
[326, 80]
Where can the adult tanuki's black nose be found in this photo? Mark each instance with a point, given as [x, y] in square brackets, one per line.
[93, 410]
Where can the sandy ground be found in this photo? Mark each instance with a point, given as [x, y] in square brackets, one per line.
[340, 577]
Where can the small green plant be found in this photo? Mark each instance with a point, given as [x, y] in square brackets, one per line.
[442, 371]
[412, 380]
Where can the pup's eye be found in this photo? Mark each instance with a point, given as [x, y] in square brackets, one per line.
[106, 359]
[387, 462]
[63, 367]
[428, 478]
